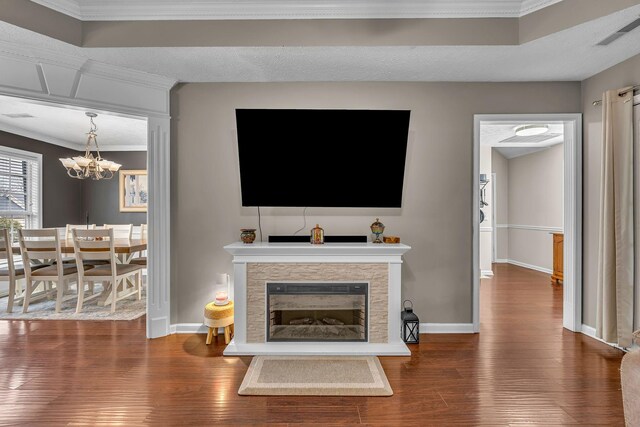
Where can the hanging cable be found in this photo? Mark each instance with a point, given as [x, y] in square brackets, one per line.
[304, 216]
[260, 224]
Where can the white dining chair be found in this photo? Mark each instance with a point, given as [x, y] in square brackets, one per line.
[121, 231]
[43, 246]
[98, 245]
[142, 259]
[69, 227]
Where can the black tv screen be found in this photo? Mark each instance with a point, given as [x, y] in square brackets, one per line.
[322, 158]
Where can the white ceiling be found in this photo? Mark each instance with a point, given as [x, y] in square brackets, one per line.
[68, 127]
[492, 134]
[570, 55]
[107, 10]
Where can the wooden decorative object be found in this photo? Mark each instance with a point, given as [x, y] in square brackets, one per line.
[391, 239]
[134, 191]
[558, 259]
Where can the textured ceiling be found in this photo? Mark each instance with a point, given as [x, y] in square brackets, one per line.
[68, 127]
[570, 55]
[290, 9]
[492, 134]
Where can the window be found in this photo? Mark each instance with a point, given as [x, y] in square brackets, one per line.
[20, 189]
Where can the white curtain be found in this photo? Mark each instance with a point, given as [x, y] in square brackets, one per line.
[614, 322]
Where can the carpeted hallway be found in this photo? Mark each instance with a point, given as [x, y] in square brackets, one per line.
[522, 368]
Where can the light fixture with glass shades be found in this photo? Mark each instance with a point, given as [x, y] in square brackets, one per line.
[530, 130]
[90, 166]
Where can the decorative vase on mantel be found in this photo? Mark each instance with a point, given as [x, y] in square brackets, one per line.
[247, 235]
[377, 228]
[317, 235]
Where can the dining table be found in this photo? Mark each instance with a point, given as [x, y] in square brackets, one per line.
[125, 249]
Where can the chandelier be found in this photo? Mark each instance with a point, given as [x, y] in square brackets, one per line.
[90, 166]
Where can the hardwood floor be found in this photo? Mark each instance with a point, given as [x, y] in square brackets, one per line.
[522, 368]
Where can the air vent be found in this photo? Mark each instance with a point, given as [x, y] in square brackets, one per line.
[531, 138]
[18, 115]
[621, 32]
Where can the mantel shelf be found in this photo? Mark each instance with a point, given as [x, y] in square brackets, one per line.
[307, 249]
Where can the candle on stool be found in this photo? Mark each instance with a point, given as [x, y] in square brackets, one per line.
[222, 298]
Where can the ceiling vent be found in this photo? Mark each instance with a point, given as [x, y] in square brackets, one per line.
[531, 138]
[18, 115]
[621, 32]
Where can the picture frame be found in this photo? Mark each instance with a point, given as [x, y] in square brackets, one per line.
[134, 191]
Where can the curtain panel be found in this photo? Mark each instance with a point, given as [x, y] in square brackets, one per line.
[614, 321]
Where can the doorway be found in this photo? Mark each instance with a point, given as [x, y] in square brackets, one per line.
[565, 128]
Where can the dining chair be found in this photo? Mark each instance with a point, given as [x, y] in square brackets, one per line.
[9, 274]
[142, 259]
[121, 231]
[69, 227]
[43, 246]
[98, 245]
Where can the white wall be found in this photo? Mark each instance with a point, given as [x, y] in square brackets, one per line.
[500, 167]
[534, 207]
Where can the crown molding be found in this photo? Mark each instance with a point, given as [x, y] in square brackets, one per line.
[149, 10]
[530, 6]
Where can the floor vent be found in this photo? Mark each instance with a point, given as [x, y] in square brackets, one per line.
[18, 115]
[621, 32]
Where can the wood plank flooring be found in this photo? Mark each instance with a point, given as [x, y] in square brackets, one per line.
[522, 368]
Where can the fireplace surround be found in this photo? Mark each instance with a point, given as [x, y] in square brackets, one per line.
[261, 265]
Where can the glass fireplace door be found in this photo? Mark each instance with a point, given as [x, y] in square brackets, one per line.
[317, 311]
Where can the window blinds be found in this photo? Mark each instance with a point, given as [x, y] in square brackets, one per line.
[20, 187]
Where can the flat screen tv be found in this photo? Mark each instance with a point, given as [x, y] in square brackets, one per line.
[322, 158]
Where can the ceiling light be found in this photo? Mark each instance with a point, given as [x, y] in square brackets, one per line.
[90, 166]
[529, 130]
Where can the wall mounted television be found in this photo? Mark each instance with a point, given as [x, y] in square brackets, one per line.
[322, 158]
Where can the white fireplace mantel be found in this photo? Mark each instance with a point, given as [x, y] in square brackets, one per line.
[305, 253]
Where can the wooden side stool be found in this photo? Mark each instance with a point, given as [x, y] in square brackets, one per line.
[219, 316]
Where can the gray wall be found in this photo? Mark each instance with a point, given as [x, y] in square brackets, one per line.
[66, 200]
[535, 198]
[61, 195]
[436, 215]
[100, 198]
[624, 74]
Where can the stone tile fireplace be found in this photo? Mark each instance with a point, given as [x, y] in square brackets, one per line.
[323, 299]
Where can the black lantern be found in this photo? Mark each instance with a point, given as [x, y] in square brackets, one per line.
[410, 324]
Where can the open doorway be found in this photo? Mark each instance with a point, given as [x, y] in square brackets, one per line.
[527, 203]
[39, 191]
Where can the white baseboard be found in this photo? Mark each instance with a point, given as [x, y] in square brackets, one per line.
[189, 328]
[501, 261]
[488, 273]
[446, 328]
[591, 332]
[530, 266]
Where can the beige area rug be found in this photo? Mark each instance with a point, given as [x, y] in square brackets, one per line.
[315, 376]
[126, 309]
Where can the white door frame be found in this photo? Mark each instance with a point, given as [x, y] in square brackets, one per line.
[572, 284]
[39, 75]
[494, 224]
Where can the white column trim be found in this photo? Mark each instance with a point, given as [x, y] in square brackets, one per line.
[159, 221]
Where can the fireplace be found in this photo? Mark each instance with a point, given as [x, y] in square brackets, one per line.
[316, 312]
[331, 299]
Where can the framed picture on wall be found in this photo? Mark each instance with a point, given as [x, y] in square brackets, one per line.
[134, 192]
